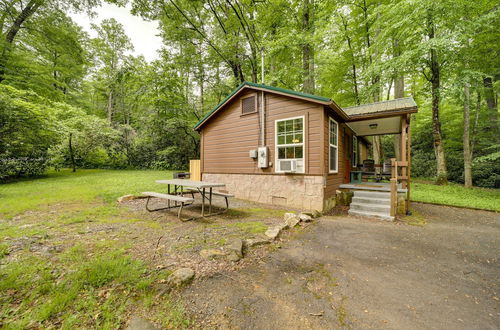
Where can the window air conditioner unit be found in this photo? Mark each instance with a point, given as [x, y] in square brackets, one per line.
[288, 165]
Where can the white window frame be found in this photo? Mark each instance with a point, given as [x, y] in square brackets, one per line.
[303, 144]
[355, 151]
[331, 120]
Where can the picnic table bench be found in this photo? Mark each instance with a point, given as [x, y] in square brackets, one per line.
[176, 198]
[193, 191]
[182, 186]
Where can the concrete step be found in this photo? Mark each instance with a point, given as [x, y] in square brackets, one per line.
[371, 215]
[373, 201]
[372, 194]
[386, 209]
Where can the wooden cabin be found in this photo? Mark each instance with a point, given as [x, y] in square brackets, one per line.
[278, 146]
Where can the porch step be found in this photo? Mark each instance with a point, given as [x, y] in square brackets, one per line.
[370, 200]
[372, 194]
[381, 215]
[371, 204]
[369, 207]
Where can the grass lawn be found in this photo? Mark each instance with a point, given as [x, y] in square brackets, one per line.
[92, 281]
[456, 195]
[72, 257]
[83, 186]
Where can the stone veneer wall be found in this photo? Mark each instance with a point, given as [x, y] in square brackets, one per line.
[298, 191]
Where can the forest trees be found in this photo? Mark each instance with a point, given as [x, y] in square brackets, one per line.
[110, 49]
[444, 54]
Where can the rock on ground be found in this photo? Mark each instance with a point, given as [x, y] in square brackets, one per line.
[181, 276]
[126, 198]
[212, 253]
[251, 242]
[305, 217]
[273, 232]
[236, 247]
[138, 323]
[291, 219]
[232, 256]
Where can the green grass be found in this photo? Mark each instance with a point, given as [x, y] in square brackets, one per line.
[456, 195]
[81, 291]
[93, 282]
[84, 186]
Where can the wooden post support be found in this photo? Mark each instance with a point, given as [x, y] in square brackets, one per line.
[394, 187]
[409, 166]
[403, 154]
[195, 169]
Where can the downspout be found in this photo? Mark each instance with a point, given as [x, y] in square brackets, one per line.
[263, 121]
[262, 104]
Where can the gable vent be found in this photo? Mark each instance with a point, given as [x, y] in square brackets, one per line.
[248, 105]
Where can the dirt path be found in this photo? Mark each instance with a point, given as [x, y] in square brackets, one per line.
[360, 273]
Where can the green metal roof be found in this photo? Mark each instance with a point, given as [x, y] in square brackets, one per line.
[271, 88]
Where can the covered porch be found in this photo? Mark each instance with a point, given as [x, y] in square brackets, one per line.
[388, 180]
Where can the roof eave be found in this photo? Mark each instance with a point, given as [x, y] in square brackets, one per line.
[383, 114]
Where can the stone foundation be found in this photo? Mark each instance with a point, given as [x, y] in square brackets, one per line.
[297, 191]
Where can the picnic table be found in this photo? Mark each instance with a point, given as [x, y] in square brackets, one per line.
[182, 186]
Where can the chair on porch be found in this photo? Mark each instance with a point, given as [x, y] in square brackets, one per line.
[368, 169]
[386, 170]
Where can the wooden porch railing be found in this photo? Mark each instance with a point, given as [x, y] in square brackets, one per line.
[395, 179]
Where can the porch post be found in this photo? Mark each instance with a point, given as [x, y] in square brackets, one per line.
[404, 126]
[409, 165]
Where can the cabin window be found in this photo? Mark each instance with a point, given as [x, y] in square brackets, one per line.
[334, 146]
[249, 105]
[290, 145]
[354, 151]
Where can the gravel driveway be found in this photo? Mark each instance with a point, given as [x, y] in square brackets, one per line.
[345, 272]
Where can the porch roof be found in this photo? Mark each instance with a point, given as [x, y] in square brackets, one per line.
[380, 118]
[382, 109]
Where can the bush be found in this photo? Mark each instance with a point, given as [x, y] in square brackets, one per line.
[22, 167]
[486, 174]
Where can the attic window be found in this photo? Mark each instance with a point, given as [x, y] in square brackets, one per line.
[248, 105]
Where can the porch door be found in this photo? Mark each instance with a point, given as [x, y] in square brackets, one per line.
[347, 158]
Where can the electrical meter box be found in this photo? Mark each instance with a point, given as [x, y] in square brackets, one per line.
[263, 157]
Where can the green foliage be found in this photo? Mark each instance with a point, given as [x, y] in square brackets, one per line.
[123, 112]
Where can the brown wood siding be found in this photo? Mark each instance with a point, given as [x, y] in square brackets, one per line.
[334, 180]
[229, 136]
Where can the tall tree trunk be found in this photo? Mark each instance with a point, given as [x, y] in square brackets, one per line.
[377, 152]
[307, 48]
[71, 153]
[435, 80]
[353, 60]
[399, 92]
[26, 13]
[476, 122]
[110, 106]
[466, 141]
[491, 102]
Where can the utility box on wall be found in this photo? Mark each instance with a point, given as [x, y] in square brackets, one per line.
[263, 157]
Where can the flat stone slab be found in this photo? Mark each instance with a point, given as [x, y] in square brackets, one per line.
[212, 253]
[236, 247]
[181, 276]
[126, 198]
[273, 232]
[138, 323]
[291, 219]
[305, 217]
[251, 242]
[232, 256]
